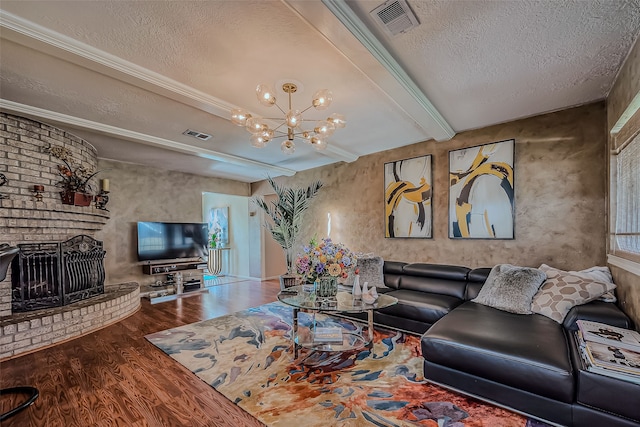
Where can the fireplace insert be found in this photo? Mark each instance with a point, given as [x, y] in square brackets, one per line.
[47, 275]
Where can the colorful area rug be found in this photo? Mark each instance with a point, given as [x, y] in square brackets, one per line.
[247, 357]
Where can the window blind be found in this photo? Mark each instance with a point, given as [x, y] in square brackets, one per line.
[627, 226]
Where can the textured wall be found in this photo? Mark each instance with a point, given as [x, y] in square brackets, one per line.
[559, 186]
[140, 193]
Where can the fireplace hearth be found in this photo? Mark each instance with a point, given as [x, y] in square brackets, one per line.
[45, 275]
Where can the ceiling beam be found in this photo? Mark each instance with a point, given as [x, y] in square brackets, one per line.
[374, 61]
[128, 135]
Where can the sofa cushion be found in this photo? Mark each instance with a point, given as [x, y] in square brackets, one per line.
[392, 272]
[371, 271]
[448, 280]
[563, 290]
[475, 280]
[511, 288]
[421, 306]
[524, 352]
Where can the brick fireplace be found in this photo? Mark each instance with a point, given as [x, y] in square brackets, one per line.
[25, 161]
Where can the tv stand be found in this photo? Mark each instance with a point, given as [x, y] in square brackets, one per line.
[172, 267]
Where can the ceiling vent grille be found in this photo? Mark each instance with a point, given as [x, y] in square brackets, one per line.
[196, 134]
[395, 16]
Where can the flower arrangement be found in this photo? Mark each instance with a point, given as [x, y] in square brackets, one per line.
[75, 178]
[325, 259]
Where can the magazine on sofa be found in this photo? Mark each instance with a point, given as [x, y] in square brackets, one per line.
[589, 366]
[611, 357]
[609, 335]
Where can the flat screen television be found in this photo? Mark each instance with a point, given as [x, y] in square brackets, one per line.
[171, 240]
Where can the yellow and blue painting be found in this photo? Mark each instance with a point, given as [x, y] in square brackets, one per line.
[481, 191]
[408, 194]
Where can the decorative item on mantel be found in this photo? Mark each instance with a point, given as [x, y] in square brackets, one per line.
[286, 218]
[76, 188]
[102, 198]
[37, 192]
[323, 263]
[3, 181]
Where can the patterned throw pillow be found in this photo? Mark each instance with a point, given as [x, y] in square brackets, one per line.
[565, 289]
[510, 288]
[601, 274]
[371, 271]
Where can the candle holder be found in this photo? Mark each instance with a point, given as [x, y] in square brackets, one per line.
[37, 192]
[3, 181]
[101, 200]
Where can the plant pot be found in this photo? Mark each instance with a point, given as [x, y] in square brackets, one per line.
[214, 261]
[76, 199]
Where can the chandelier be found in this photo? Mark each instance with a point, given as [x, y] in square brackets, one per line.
[291, 126]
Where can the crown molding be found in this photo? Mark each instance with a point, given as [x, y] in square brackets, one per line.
[360, 31]
[53, 43]
[79, 123]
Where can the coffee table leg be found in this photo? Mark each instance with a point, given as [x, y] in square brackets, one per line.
[370, 321]
[294, 336]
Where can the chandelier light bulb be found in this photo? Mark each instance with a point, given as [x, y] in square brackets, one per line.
[266, 95]
[306, 134]
[322, 99]
[267, 135]
[324, 128]
[288, 147]
[320, 145]
[338, 120]
[239, 117]
[255, 125]
[258, 141]
[293, 118]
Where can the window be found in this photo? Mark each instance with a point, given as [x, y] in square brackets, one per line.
[626, 235]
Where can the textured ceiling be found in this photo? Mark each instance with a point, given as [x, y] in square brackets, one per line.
[131, 76]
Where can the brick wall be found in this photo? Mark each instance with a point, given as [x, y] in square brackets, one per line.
[25, 161]
[27, 332]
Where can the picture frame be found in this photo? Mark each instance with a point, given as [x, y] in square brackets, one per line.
[408, 193]
[219, 219]
[482, 192]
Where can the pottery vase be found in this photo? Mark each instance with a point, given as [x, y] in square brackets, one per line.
[357, 290]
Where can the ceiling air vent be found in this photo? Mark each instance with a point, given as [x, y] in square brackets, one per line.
[196, 134]
[395, 16]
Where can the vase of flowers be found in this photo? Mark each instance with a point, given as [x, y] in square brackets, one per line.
[75, 183]
[323, 263]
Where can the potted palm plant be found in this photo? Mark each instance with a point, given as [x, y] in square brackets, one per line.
[286, 218]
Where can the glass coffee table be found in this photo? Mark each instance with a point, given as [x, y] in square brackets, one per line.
[330, 339]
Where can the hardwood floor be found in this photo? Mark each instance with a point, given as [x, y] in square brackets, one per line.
[114, 377]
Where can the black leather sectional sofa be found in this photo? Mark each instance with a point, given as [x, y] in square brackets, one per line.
[528, 363]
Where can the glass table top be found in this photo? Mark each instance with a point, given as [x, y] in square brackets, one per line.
[343, 302]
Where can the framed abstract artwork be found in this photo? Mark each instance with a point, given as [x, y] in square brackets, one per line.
[481, 192]
[407, 198]
[219, 220]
